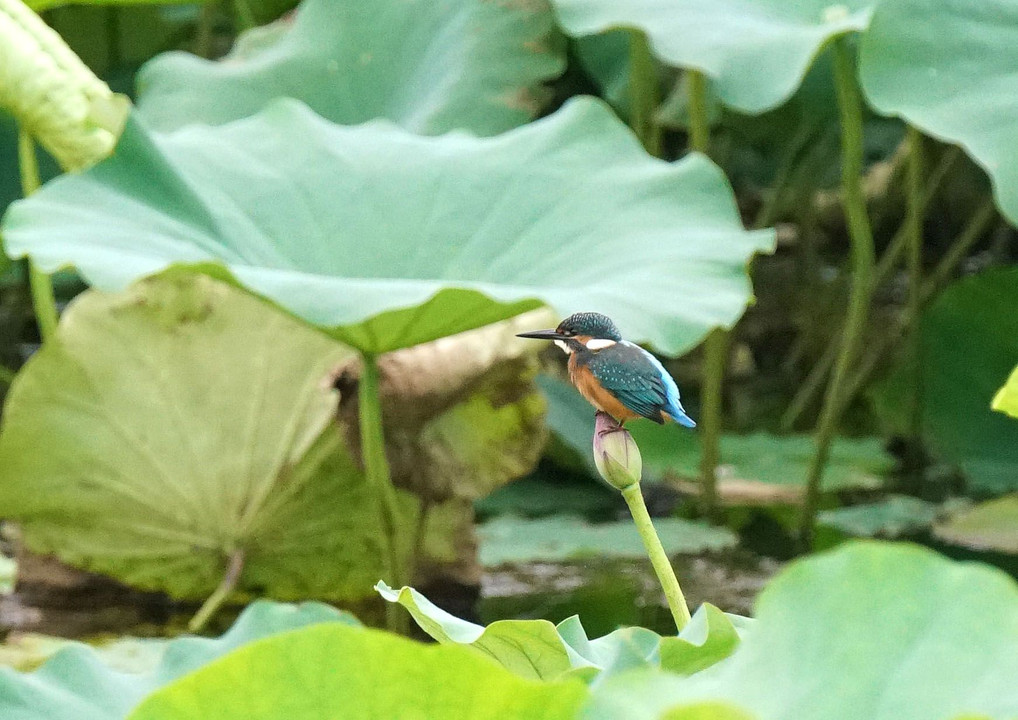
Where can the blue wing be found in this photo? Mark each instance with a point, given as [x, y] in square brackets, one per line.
[639, 381]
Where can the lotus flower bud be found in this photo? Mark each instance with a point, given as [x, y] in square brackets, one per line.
[615, 453]
[52, 94]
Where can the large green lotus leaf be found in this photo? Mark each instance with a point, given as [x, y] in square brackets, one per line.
[969, 340]
[948, 68]
[1006, 399]
[529, 648]
[186, 420]
[755, 53]
[429, 66]
[80, 683]
[358, 674]
[871, 630]
[992, 525]
[389, 239]
[509, 539]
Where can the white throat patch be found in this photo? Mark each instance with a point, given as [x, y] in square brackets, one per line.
[565, 347]
[599, 344]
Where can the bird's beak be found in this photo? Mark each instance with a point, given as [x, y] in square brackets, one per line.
[542, 335]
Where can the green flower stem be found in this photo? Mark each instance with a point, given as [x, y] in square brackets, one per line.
[699, 127]
[243, 16]
[914, 224]
[715, 353]
[234, 568]
[888, 262]
[376, 469]
[43, 300]
[657, 555]
[716, 344]
[643, 93]
[863, 260]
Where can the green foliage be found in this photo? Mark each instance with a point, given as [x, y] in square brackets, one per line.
[969, 342]
[367, 200]
[871, 630]
[948, 70]
[992, 525]
[537, 649]
[715, 38]
[430, 67]
[367, 673]
[79, 683]
[186, 421]
[564, 537]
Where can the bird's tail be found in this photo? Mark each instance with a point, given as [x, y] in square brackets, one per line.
[679, 415]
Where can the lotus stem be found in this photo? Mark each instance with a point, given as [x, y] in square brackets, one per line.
[643, 93]
[234, 568]
[863, 262]
[914, 263]
[43, 300]
[888, 261]
[658, 557]
[716, 344]
[377, 472]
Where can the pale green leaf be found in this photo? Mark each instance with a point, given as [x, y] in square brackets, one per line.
[528, 648]
[428, 66]
[948, 68]
[755, 53]
[359, 674]
[80, 683]
[403, 238]
[871, 630]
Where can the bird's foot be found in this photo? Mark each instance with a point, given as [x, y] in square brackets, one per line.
[607, 424]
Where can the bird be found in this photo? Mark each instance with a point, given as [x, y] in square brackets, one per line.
[616, 376]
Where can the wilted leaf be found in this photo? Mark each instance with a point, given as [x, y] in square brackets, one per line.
[755, 54]
[563, 537]
[79, 683]
[362, 674]
[185, 421]
[406, 238]
[430, 67]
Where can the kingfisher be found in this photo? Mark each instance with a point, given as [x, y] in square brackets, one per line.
[614, 375]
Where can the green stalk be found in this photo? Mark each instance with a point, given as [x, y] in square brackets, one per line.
[888, 261]
[657, 555]
[863, 260]
[643, 93]
[243, 16]
[716, 345]
[914, 223]
[234, 568]
[43, 300]
[376, 470]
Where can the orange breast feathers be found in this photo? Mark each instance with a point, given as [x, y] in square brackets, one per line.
[596, 395]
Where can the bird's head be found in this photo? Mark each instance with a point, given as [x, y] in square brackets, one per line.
[581, 332]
